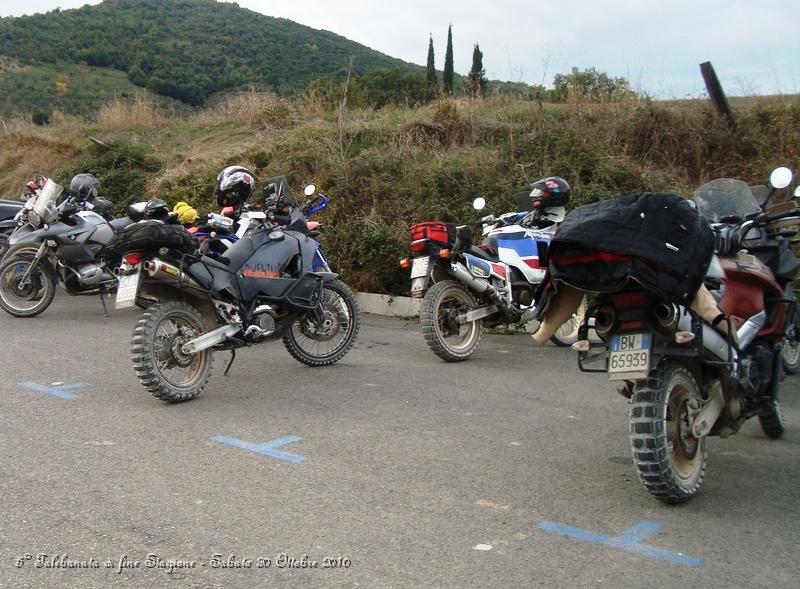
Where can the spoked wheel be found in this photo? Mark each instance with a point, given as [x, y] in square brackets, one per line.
[567, 334]
[670, 461]
[321, 343]
[157, 352]
[448, 339]
[23, 296]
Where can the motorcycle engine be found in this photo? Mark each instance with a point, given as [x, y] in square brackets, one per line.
[756, 369]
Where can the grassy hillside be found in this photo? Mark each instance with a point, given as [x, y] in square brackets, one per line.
[187, 49]
[386, 169]
[65, 88]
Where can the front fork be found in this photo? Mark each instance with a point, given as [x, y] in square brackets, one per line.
[40, 253]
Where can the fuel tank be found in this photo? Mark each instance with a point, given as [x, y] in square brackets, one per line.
[268, 262]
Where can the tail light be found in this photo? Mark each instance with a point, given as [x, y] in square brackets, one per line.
[133, 258]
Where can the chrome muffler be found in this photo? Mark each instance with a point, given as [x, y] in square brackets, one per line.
[158, 269]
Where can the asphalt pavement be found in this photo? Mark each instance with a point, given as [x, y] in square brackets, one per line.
[389, 469]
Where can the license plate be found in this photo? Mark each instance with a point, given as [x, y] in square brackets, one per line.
[629, 356]
[126, 290]
[419, 267]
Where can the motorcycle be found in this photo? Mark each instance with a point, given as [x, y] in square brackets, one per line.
[463, 286]
[269, 284]
[225, 228]
[689, 367]
[66, 242]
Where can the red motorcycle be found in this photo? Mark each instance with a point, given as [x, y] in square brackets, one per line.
[694, 358]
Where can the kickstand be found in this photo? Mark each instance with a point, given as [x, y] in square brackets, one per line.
[103, 301]
[230, 362]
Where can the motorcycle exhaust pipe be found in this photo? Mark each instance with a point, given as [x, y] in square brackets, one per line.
[605, 318]
[463, 275]
[158, 269]
[667, 316]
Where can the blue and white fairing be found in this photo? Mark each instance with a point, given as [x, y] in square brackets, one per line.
[523, 249]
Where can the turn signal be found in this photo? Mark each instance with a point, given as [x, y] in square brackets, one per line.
[683, 337]
[405, 263]
[444, 254]
[582, 345]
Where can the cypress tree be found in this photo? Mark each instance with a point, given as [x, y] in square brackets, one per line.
[477, 75]
[432, 82]
[448, 63]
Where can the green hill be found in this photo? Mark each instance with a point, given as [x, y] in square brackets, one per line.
[187, 49]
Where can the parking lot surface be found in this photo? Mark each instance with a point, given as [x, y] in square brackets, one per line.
[389, 469]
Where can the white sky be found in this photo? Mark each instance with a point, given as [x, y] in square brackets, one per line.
[656, 44]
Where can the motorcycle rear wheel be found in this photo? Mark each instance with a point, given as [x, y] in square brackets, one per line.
[316, 344]
[160, 365]
[567, 334]
[442, 303]
[670, 462]
[38, 290]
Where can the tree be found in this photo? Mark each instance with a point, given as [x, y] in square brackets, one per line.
[477, 75]
[431, 81]
[448, 63]
[589, 85]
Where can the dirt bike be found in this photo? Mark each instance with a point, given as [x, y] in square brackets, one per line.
[463, 286]
[269, 284]
[691, 367]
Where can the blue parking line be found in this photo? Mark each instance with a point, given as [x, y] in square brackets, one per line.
[265, 448]
[630, 540]
[60, 391]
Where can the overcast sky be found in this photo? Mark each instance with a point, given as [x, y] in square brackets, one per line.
[754, 45]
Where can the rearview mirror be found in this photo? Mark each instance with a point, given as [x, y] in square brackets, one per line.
[797, 192]
[780, 178]
[479, 203]
[309, 190]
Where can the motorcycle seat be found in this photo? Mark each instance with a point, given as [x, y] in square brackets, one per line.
[483, 254]
[119, 224]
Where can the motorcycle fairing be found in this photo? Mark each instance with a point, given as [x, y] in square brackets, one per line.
[518, 248]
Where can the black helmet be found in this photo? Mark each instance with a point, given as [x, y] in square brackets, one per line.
[84, 187]
[156, 209]
[103, 207]
[550, 192]
[235, 184]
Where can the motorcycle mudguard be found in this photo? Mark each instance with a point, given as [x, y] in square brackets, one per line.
[44, 263]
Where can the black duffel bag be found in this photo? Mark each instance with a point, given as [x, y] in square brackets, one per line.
[657, 239]
[148, 236]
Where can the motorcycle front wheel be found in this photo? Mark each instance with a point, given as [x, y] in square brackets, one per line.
[567, 334]
[158, 358]
[322, 343]
[670, 461]
[448, 339]
[23, 297]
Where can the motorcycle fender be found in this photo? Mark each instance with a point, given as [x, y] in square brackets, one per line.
[327, 276]
[43, 263]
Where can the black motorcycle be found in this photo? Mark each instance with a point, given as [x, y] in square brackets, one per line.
[66, 242]
[8, 222]
[267, 285]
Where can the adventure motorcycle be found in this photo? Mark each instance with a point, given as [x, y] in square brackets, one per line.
[691, 365]
[67, 242]
[462, 285]
[268, 285]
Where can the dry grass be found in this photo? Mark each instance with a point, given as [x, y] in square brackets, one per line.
[141, 113]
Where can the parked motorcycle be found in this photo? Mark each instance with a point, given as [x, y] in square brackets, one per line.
[53, 242]
[267, 285]
[691, 365]
[463, 286]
